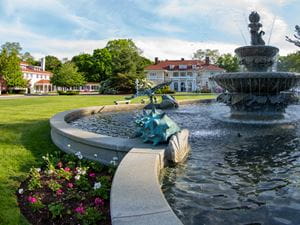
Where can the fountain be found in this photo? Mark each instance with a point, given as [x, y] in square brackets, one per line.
[258, 92]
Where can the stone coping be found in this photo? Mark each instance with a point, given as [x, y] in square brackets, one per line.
[136, 196]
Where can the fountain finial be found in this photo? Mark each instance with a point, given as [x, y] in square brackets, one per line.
[255, 25]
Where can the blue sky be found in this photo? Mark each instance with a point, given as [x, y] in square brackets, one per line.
[169, 29]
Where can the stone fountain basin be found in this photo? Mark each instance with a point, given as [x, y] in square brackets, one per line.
[256, 50]
[257, 82]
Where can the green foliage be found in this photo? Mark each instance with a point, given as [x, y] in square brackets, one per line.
[68, 92]
[68, 76]
[10, 69]
[104, 191]
[52, 63]
[228, 62]
[56, 209]
[61, 173]
[212, 54]
[102, 64]
[91, 216]
[12, 48]
[27, 57]
[37, 205]
[289, 63]
[53, 185]
[35, 179]
[83, 183]
[165, 90]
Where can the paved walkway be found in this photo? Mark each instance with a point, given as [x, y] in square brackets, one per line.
[2, 97]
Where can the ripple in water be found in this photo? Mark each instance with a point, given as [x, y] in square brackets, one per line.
[246, 174]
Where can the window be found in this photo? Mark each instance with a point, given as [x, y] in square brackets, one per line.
[152, 74]
[171, 67]
[194, 67]
[190, 74]
[190, 86]
[175, 74]
[175, 86]
[182, 85]
[182, 74]
[182, 67]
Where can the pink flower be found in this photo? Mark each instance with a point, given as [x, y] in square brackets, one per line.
[70, 185]
[59, 192]
[59, 165]
[32, 199]
[92, 174]
[80, 209]
[67, 169]
[99, 202]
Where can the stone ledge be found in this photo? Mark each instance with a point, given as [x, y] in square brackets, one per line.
[136, 196]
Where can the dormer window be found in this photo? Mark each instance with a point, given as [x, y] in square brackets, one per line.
[194, 67]
[182, 67]
[171, 67]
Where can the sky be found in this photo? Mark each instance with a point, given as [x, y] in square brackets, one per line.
[168, 29]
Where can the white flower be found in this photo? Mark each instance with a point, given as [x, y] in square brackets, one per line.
[69, 146]
[50, 171]
[97, 185]
[45, 158]
[79, 155]
[81, 171]
[21, 191]
[38, 170]
[95, 155]
[77, 177]
[115, 158]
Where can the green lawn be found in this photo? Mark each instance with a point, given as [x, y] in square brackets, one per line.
[25, 137]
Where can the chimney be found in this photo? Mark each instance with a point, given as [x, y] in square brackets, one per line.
[207, 60]
[156, 60]
[182, 59]
[43, 63]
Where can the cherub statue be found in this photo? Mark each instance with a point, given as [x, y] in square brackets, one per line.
[256, 36]
[297, 36]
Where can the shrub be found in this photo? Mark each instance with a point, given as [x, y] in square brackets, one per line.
[68, 92]
[165, 90]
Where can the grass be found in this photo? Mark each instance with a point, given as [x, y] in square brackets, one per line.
[25, 137]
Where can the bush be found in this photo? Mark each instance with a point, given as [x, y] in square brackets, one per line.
[165, 90]
[68, 92]
[205, 90]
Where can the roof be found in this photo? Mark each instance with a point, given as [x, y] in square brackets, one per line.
[164, 65]
[43, 82]
[29, 70]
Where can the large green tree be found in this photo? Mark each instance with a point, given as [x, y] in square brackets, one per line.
[68, 76]
[228, 62]
[52, 63]
[10, 69]
[213, 55]
[290, 63]
[12, 47]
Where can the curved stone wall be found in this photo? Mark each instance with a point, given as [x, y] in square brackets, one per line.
[136, 196]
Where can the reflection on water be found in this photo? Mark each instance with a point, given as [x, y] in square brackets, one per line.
[236, 174]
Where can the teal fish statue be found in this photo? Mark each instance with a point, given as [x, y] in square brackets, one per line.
[155, 127]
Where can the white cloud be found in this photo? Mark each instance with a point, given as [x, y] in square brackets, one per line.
[166, 27]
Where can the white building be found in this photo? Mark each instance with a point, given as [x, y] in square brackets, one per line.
[38, 78]
[187, 75]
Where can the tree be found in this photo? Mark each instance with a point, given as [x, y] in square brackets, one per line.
[102, 60]
[212, 54]
[27, 57]
[10, 69]
[290, 63]
[228, 62]
[96, 67]
[68, 76]
[52, 63]
[12, 47]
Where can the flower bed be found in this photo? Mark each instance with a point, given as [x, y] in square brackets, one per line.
[67, 190]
